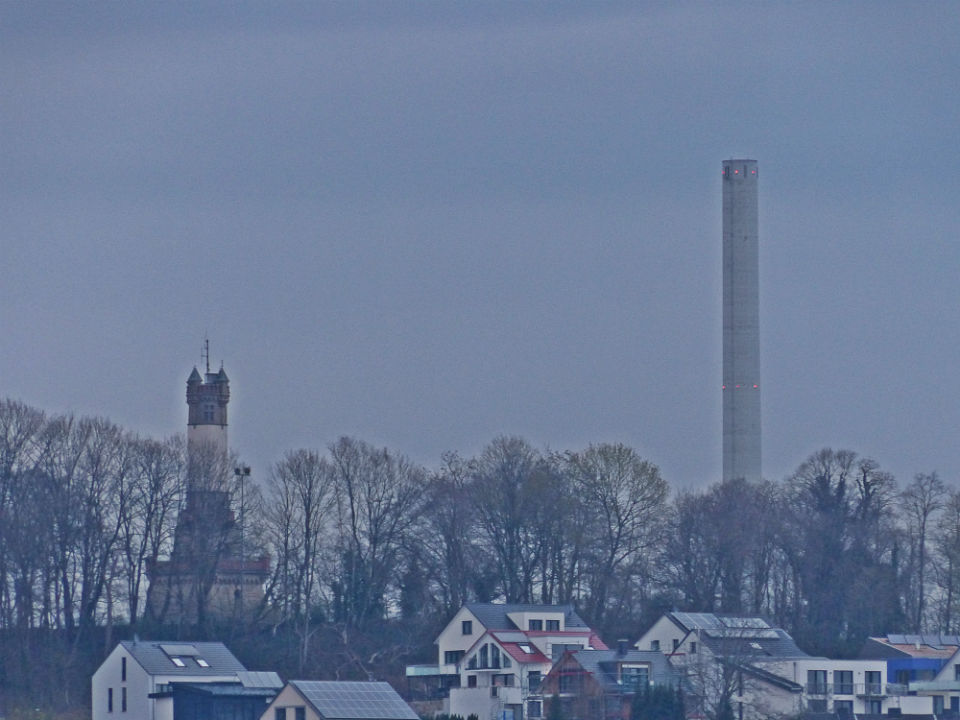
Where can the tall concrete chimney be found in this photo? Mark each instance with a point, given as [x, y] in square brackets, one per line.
[741, 322]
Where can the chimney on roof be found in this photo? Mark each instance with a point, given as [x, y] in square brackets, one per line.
[623, 646]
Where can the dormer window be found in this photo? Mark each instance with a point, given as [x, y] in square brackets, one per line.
[553, 626]
[535, 625]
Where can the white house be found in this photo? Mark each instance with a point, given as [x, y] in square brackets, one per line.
[764, 673]
[492, 656]
[944, 689]
[136, 680]
[338, 700]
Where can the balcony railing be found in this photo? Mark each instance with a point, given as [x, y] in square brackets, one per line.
[873, 689]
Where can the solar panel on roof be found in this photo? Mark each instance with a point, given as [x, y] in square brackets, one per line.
[356, 700]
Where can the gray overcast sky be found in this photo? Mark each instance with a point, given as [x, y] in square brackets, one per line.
[427, 224]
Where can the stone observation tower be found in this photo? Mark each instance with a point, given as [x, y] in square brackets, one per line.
[741, 322]
[210, 576]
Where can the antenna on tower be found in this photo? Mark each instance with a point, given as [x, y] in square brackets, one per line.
[205, 355]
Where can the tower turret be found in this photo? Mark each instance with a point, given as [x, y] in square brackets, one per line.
[207, 399]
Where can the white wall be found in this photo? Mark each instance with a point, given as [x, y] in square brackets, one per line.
[138, 686]
[796, 670]
[452, 637]
[663, 630]
[464, 701]
[289, 698]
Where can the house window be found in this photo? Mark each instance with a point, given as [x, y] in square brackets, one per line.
[567, 682]
[817, 705]
[693, 648]
[471, 681]
[875, 707]
[466, 627]
[109, 699]
[817, 682]
[676, 644]
[279, 714]
[655, 645]
[843, 682]
[634, 677]
[873, 682]
[553, 625]
[178, 662]
[123, 699]
[123, 669]
[938, 704]
[202, 663]
[452, 657]
[956, 672]
[536, 625]
[533, 680]
[534, 709]
[484, 658]
[843, 708]
[300, 713]
[526, 647]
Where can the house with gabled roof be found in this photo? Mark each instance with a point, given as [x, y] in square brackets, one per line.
[763, 673]
[943, 688]
[492, 656]
[602, 684]
[142, 679]
[917, 657]
[338, 700]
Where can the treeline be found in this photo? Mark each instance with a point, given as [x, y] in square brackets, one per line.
[361, 536]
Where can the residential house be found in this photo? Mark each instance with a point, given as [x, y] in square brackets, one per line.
[492, 657]
[943, 689]
[912, 658]
[138, 679]
[336, 700]
[760, 670]
[601, 684]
